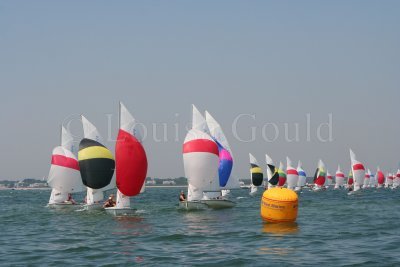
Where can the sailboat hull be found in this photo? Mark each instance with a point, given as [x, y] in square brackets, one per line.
[61, 205]
[94, 206]
[192, 205]
[219, 203]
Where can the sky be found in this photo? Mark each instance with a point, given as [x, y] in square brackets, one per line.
[256, 66]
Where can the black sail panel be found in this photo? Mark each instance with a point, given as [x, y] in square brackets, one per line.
[96, 164]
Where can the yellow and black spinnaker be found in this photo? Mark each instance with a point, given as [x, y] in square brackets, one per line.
[96, 164]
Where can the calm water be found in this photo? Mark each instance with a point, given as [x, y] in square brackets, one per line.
[332, 229]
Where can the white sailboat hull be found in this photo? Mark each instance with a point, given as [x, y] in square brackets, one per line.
[94, 206]
[219, 203]
[192, 205]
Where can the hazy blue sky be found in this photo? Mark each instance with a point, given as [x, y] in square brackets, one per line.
[279, 60]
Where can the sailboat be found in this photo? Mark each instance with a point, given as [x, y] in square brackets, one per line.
[339, 178]
[396, 181]
[272, 172]
[131, 163]
[64, 177]
[372, 180]
[302, 177]
[319, 176]
[350, 180]
[358, 172]
[256, 174]
[96, 164]
[292, 176]
[225, 165]
[367, 178]
[380, 178]
[282, 175]
[389, 180]
[200, 160]
[329, 179]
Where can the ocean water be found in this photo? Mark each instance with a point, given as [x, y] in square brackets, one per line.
[333, 229]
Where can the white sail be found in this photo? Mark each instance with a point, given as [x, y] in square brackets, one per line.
[328, 180]
[122, 201]
[358, 171]
[217, 133]
[128, 123]
[367, 179]
[90, 131]
[64, 173]
[57, 197]
[67, 140]
[269, 162]
[94, 196]
[339, 178]
[200, 159]
[253, 160]
[198, 121]
[292, 176]
[302, 175]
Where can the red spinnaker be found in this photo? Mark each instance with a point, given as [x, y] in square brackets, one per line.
[131, 164]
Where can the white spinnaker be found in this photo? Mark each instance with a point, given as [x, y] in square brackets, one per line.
[200, 168]
[339, 178]
[64, 179]
[198, 121]
[90, 131]
[292, 177]
[358, 171]
[302, 177]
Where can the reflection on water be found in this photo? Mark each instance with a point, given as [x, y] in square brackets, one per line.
[131, 226]
[276, 251]
[280, 229]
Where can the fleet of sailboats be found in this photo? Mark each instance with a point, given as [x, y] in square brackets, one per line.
[208, 165]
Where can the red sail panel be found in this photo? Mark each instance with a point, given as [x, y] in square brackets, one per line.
[320, 180]
[65, 161]
[358, 166]
[131, 164]
[200, 145]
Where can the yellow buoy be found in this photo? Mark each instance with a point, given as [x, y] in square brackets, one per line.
[279, 205]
